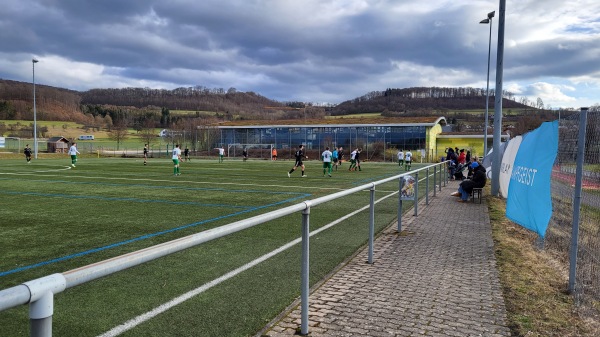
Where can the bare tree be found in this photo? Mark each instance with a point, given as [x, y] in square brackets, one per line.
[147, 132]
[539, 103]
[118, 133]
[108, 121]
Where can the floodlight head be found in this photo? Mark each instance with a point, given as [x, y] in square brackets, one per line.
[34, 61]
[491, 14]
[485, 21]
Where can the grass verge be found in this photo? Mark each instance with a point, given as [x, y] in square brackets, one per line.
[534, 286]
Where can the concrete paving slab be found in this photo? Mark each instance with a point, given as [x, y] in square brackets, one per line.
[437, 278]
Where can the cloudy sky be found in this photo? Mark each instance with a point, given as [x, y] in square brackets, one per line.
[305, 50]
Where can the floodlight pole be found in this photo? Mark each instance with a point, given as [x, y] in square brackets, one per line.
[35, 143]
[496, 157]
[487, 91]
[305, 128]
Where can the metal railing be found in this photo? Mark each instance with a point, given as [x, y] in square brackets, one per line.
[39, 293]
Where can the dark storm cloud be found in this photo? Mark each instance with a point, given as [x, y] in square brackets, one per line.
[290, 50]
[94, 12]
[106, 32]
[75, 29]
[557, 57]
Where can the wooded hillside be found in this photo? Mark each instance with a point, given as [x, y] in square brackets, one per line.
[16, 102]
[192, 98]
[151, 107]
[419, 100]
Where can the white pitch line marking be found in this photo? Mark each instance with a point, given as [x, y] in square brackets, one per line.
[186, 181]
[64, 168]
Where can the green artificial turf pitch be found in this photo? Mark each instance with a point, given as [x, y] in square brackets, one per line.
[54, 218]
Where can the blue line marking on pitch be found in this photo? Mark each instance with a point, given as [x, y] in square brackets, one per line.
[71, 196]
[147, 236]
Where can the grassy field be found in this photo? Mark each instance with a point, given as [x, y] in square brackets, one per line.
[72, 130]
[534, 283]
[362, 115]
[49, 124]
[191, 112]
[56, 218]
[132, 143]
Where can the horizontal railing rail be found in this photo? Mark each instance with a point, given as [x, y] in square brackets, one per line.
[39, 293]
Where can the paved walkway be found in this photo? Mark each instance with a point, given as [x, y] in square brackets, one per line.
[437, 279]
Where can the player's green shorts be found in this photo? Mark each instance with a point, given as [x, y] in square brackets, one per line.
[326, 165]
[176, 161]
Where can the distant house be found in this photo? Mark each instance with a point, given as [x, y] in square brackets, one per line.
[169, 133]
[58, 145]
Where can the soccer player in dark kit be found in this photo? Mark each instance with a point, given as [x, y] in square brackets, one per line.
[299, 157]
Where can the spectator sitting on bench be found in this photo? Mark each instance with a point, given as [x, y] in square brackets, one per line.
[478, 181]
[458, 172]
[470, 173]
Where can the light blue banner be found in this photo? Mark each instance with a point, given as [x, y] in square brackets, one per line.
[529, 202]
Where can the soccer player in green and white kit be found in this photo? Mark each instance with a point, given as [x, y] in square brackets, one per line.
[221, 153]
[176, 158]
[353, 160]
[73, 153]
[407, 160]
[400, 158]
[326, 156]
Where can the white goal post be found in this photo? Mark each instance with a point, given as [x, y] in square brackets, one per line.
[254, 150]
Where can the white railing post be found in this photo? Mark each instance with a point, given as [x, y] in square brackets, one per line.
[40, 315]
[446, 180]
[441, 177]
[305, 269]
[434, 179]
[416, 192]
[400, 185]
[41, 303]
[371, 223]
[427, 186]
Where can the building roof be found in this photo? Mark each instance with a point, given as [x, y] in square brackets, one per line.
[337, 122]
[470, 134]
[57, 139]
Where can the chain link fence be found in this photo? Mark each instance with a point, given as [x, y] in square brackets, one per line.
[559, 238]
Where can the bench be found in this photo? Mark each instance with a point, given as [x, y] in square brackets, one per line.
[476, 193]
